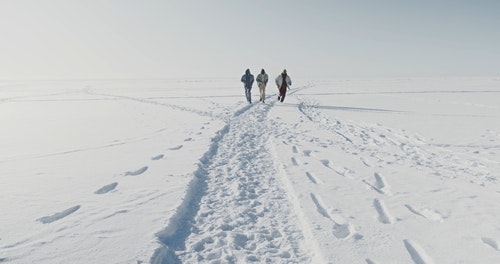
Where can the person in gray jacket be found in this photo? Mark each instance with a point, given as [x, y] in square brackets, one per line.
[262, 79]
[247, 79]
[283, 82]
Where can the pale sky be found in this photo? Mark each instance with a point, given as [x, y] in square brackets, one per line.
[80, 39]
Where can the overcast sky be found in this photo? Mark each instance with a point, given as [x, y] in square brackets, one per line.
[54, 39]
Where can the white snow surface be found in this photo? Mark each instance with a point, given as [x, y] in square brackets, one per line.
[185, 171]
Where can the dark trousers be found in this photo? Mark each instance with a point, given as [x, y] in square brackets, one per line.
[282, 93]
[248, 94]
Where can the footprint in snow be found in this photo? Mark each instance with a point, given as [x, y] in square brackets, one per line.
[188, 139]
[51, 218]
[137, 172]
[106, 188]
[176, 147]
[341, 229]
[380, 185]
[319, 206]
[326, 163]
[491, 242]
[307, 153]
[417, 253]
[158, 157]
[311, 177]
[239, 241]
[379, 181]
[383, 215]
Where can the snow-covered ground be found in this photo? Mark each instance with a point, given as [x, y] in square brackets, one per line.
[185, 171]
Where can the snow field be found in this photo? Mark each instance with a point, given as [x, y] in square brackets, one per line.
[184, 171]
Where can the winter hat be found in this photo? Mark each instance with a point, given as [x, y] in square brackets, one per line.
[247, 71]
[262, 71]
[284, 71]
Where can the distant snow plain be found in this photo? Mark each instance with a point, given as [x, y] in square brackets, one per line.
[185, 171]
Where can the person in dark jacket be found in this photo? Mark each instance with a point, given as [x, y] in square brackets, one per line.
[283, 82]
[262, 79]
[247, 79]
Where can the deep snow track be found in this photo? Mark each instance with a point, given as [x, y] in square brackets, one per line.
[236, 210]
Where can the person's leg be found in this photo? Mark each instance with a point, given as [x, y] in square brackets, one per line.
[263, 93]
[248, 95]
[261, 90]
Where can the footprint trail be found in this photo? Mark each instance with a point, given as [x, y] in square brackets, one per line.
[243, 214]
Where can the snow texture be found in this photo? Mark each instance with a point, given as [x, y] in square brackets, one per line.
[186, 171]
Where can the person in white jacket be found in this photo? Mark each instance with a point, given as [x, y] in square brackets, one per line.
[283, 82]
[262, 79]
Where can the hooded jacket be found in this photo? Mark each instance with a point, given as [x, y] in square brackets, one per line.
[279, 80]
[262, 78]
[247, 79]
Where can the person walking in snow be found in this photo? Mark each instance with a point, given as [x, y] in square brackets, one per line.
[262, 79]
[247, 79]
[283, 82]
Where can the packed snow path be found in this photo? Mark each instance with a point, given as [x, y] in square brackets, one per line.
[244, 213]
